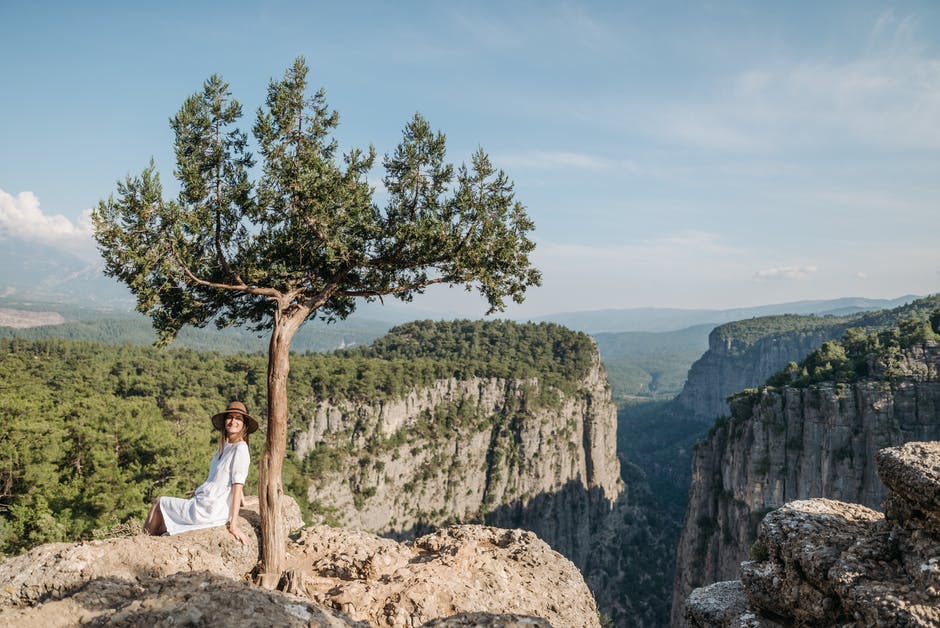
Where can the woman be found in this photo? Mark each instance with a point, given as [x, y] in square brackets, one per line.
[217, 501]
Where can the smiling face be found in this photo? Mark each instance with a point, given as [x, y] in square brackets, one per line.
[234, 426]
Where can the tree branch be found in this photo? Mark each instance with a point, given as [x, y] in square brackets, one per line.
[393, 290]
[240, 287]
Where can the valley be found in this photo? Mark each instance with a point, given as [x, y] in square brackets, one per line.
[435, 423]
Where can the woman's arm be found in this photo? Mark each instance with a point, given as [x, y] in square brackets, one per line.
[233, 517]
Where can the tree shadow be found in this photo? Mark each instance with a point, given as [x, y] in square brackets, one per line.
[198, 598]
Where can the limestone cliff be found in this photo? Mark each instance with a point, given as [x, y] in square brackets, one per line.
[795, 443]
[512, 453]
[734, 361]
[822, 562]
[743, 354]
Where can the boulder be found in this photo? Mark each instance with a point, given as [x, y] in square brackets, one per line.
[459, 569]
[198, 598]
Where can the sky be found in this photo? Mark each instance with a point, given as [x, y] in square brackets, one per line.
[671, 154]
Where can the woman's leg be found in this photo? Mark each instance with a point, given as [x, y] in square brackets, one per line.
[154, 524]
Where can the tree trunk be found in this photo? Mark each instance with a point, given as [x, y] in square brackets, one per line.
[270, 486]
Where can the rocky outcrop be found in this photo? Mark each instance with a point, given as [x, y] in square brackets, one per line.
[335, 577]
[55, 569]
[743, 354]
[827, 563]
[791, 444]
[455, 570]
[510, 453]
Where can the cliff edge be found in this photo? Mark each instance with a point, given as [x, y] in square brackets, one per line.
[335, 577]
[821, 562]
[801, 441]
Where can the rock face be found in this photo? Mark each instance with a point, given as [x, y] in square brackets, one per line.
[797, 443]
[336, 577]
[826, 563]
[22, 319]
[733, 363]
[510, 453]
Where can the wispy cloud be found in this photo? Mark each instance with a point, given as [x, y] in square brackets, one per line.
[888, 94]
[800, 273]
[21, 217]
[551, 160]
[564, 25]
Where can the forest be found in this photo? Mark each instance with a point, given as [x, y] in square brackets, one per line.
[850, 359]
[94, 431]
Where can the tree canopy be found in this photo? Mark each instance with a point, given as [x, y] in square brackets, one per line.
[307, 230]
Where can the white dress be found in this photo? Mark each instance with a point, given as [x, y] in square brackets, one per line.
[211, 505]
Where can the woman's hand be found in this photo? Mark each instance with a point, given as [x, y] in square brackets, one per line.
[237, 494]
[238, 534]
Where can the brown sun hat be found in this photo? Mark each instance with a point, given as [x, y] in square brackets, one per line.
[218, 421]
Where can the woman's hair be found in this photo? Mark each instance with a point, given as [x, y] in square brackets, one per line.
[223, 437]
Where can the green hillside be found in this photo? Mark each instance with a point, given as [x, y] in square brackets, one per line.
[650, 365]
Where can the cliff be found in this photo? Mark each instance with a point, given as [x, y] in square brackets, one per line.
[735, 360]
[335, 577]
[744, 353]
[508, 452]
[799, 442]
[821, 562]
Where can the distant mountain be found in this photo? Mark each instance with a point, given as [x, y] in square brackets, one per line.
[135, 329]
[37, 272]
[654, 319]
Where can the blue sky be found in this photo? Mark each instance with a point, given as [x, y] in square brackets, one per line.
[712, 154]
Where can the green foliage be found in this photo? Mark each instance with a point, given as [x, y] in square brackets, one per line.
[849, 360]
[558, 356]
[314, 336]
[306, 237]
[93, 432]
[647, 366]
[742, 334]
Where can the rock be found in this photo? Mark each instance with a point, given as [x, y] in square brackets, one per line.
[198, 598]
[460, 569]
[486, 620]
[515, 453]
[912, 473]
[336, 577]
[723, 604]
[554, 472]
[54, 569]
[788, 444]
[829, 563]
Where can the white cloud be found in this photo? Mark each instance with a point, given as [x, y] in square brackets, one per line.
[888, 95]
[21, 217]
[559, 159]
[861, 275]
[801, 273]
